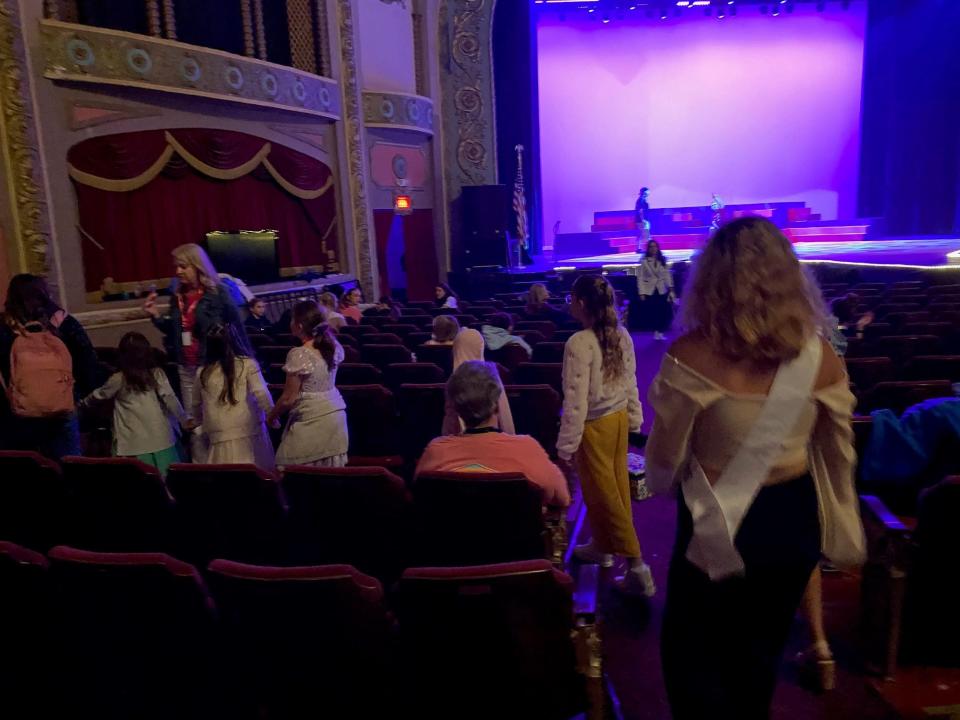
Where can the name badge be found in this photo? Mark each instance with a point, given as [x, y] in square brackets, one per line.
[186, 338]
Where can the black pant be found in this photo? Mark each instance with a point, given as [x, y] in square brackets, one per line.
[651, 312]
[722, 642]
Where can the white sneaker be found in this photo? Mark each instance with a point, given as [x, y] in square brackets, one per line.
[587, 553]
[637, 581]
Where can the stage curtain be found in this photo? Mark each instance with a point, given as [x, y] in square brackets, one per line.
[132, 213]
[421, 255]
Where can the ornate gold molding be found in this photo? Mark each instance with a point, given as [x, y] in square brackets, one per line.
[398, 110]
[85, 54]
[356, 152]
[18, 137]
[260, 29]
[468, 100]
[322, 35]
[153, 18]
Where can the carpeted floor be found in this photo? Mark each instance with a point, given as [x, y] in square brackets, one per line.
[631, 629]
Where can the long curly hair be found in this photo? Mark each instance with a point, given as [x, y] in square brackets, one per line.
[224, 346]
[749, 295]
[600, 312]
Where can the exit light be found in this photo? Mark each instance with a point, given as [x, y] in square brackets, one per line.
[402, 204]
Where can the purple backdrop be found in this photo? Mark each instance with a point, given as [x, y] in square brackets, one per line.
[756, 108]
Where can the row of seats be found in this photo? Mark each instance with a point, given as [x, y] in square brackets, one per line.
[361, 516]
[145, 635]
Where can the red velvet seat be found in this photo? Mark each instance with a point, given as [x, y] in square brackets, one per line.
[510, 356]
[383, 355]
[25, 629]
[258, 340]
[273, 354]
[228, 511]
[439, 355]
[358, 331]
[117, 505]
[372, 424]
[536, 412]
[348, 340]
[471, 518]
[306, 642]
[402, 329]
[422, 409]
[138, 633]
[900, 395]
[867, 372]
[422, 373]
[901, 348]
[380, 338]
[357, 516]
[418, 338]
[540, 373]
[413, 311]
[935, 367]
[548, 352]
[938, 329]
[33, 499]
[531, 337]
[561, 336]
[943, 290]
[491, 641]
[545, 327]
[351, 354]
[358, 374]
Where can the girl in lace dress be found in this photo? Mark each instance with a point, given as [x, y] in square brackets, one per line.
[316, 432]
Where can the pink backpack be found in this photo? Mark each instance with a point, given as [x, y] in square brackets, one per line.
[41, 375]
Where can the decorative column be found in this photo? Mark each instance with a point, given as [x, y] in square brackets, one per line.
[259, 29]
[169, 20]
[29, 229]
[246, 16]
[356, 164]
[153, 18]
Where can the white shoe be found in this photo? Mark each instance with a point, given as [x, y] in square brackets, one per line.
[658, 336]
[638, 581]
[587, 553]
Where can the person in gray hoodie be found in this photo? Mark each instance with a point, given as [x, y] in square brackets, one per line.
[497, 333]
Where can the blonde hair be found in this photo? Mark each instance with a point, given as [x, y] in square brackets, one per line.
[445, 328]
[749, 296]
[328, 300]
[538, 294]
[192, 255]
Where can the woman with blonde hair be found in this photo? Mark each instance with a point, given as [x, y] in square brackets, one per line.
[445, 330]
[199, 302]
[330, 303]
[468, 345]
[752, 432]
[601, 406]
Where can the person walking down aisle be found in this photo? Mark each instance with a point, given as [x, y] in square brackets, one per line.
[753, 429]
[600, 407]
[655, 291]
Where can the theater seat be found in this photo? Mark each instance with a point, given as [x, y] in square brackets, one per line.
[422, 373]
[33, 499]
[383, 355]
[899, 395]
[228, 511]
[439, 355]
[380, 338]
[471, 518]
[117, 505]
[867, 372]
[496, 641]
[540, 374]
[138, 634]
[549, 352]
[306, 642]
[545, 327]
[536, 412]
[358, 374]
[357, 516]
[422, 409]
[935, 367]
[372, 425]
[510, 356]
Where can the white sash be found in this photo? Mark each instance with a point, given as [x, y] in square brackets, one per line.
[719, 510]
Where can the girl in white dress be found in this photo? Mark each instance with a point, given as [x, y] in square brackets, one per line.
[316, 432]
[231, 402]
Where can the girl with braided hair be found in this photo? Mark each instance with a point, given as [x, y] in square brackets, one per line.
[601, 407]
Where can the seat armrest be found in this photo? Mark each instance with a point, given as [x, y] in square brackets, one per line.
[555, 521]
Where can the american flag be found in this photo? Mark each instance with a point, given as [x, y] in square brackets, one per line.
[520, 200]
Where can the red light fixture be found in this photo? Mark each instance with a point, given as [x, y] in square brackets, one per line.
[402, 204]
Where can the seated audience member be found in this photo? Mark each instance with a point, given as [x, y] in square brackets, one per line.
[539, 307]
[849, 321]
[257, 321]
[467, 346]
[474, 392]
[445, 330]
[334, 319]
[497, 333]
[446, 298]
[350, 305]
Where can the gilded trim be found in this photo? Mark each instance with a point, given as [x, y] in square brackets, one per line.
[356, 154]
[93, 55]
[398, 110]
[20, 148]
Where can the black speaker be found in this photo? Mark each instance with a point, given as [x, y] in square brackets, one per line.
[486, 221]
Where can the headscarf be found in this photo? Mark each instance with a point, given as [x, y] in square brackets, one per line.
[468, 345]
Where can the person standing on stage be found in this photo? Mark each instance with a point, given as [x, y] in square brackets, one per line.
[716, 204]
[643, 225]
[655, 287]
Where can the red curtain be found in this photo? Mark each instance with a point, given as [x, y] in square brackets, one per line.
[382, 224]
[132, 232]
[421, 255]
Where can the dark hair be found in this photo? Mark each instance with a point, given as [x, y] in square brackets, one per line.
[599, 306]
[659, 256]
[253, 301]
[644, 189]
[501, 320]
[137, 362]
[29, 301]
[845, 308]
[447, 293]
[224, 346]
[312, 319]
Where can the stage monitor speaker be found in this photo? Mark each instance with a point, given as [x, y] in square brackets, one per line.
[486, 221]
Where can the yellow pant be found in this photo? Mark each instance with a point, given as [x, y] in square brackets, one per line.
[602, 465]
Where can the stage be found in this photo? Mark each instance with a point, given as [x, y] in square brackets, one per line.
[922, 253]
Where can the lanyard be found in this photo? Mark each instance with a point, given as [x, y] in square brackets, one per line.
[192, 307]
